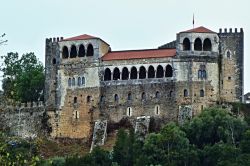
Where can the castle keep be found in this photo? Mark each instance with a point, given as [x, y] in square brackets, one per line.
[86, 81]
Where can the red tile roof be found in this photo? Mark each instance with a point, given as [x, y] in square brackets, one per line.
[139, 54]
[81, 37]
[200, 29]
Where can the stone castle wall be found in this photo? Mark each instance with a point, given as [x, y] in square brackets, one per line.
[26, 120]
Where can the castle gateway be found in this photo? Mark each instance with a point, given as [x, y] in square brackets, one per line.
[86, 81]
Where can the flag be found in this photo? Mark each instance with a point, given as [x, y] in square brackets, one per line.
[193, 20]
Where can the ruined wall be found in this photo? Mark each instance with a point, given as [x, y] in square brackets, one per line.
[231, 65]
[27, 121]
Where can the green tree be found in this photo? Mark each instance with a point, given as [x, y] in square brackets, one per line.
[123, 149]
[98, 157]
[214, 125]
[169, 147]
[23, 78]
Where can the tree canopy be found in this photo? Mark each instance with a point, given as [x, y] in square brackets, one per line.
[23, 78]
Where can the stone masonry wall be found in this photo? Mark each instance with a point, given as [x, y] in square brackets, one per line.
[26, 122]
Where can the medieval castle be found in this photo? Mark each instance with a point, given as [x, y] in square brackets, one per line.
[86, 81]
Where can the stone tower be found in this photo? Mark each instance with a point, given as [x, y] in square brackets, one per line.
[51, 67]
[231, 65]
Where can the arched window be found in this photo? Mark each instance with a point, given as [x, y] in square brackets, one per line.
[171, 94]
[157, 95]
[73, 52]
[125, 73]
[133, 73]
[202, 93]
[73, 82]
[185, 93]
[88, 99]
[102, 99]
[186, 44]
[200, 74]
[75, 100]
[90, 50]
[159, 72]
[83, 80]
[142, 72]
[54, 61]
[81, 52]
[129, 111]
[143, 96]
[228, 54]
[204, 74]
[65, 52]
[197, 44]
[207, 45]
[169, 71]
[116, 74]
[129, 96]
[157, 110]
[151, 72]
[107, 74]
[79, 81]
[116, 98]
[69, 82]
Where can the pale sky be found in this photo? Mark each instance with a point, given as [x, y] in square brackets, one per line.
[124, 24]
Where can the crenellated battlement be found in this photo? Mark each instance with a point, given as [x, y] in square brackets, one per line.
[230, 31]
[54, 39]
[31, 105]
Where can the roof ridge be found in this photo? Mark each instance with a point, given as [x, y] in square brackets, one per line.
[150, 49]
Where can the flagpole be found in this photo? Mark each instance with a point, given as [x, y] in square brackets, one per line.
[193, 20]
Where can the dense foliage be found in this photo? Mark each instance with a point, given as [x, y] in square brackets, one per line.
[23, 78]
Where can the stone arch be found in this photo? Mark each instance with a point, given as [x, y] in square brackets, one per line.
[129, 96]
[69, 82]
[90, 50]
[73, 81]
[116, 98]
[186, 44]
[159, 72]
[169, 71]
[125, 73]
[116, 74]
[151, 72]
[143, 96]
[107, 74]
[102, 99]
[198, 44]
[185, 92]
[81, 51]
[228, 54]
[207, 45]
[75, 100]
[202, 93]
[142, 72]
[157, 95]
[199, 73]
[204, 74]
[129, 111]
[79, 81]
[89, 98]
[133, 73]
[83, 80]
[54, 61]
[73, 52]
[157, 110]
[171, 94]
[65, 52]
